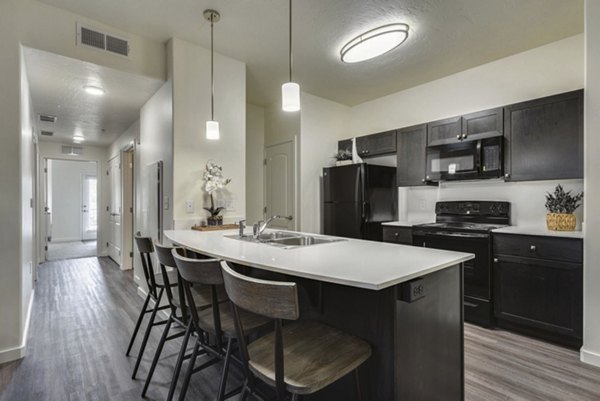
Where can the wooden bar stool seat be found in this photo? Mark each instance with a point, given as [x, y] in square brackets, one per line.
[315, 356]
[300, 358]
[202, 296]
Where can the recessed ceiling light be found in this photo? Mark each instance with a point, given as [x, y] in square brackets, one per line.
[374, 43]
[94, 90]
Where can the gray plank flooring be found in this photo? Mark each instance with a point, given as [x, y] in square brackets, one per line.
[85, 310]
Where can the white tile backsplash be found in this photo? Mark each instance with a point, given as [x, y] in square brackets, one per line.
[527, 198]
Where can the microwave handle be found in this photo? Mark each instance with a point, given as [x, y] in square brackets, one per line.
[478, 157]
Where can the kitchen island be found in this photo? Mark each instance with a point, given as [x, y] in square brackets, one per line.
[407, 302]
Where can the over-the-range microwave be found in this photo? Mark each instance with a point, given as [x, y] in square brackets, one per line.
[465, 160]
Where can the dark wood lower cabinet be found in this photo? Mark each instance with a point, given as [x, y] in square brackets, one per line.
[539, 297]
[398, 235]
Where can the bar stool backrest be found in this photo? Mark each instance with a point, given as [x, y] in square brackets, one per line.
[274, 299]
[165, 259]
[146, 248]
[202, 272]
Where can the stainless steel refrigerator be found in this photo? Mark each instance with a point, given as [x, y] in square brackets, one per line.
[357, 198]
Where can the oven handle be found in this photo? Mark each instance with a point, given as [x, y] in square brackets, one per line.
[460, 235]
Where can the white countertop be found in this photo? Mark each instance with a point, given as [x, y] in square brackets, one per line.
[357, 263]
[538, 230]
[405, 223]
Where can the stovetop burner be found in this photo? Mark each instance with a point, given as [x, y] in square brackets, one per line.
[469, 216]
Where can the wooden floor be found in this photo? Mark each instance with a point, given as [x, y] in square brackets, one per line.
[85, 309]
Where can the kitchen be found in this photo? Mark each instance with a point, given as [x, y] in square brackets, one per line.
[322, 123]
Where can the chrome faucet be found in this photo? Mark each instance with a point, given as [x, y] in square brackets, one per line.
[258, 228]
[242, 224]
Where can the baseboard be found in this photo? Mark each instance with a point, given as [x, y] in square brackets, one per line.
[12, 354]
[589, 357]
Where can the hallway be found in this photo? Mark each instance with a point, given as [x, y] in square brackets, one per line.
[71, 250]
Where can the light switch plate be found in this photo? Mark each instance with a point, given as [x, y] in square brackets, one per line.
[189, 206]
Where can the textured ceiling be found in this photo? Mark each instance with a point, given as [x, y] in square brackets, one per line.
[446, 36]
[56, 85]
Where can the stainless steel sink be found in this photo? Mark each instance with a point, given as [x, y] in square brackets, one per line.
[286, 240]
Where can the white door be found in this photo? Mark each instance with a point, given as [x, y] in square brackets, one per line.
[280, 194]
[114, 238]
[89, 207]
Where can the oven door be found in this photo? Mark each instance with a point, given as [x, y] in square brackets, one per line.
[477, 272]
[458, 161]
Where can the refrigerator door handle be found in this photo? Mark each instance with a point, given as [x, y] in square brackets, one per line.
[365, 212]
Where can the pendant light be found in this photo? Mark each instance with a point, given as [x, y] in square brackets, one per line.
[290, 91]
[212, 126]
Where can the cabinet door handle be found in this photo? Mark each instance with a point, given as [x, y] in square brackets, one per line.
[459, 136]
[424, 180]
[464, 136]
[496, 260]
[396, 234]
[533, 248]
[507, 175]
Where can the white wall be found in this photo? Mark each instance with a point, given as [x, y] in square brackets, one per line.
[322, 123]
[255, 143]
[591, 323]
[132, 134]
[66, 197]
[190, 68]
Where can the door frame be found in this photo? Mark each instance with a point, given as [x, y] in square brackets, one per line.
[43, 173]
[128, 217]
[296, 178]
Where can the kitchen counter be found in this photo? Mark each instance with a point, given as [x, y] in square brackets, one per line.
[538, 230]
[406, 302]
[357, 263]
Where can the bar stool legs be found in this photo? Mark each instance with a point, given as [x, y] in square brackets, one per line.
[225, 371]
[147, 333]
[179, 362]
[137, 324]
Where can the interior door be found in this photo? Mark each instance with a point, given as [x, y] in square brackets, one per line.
[279, 173]
[114, 240]
[89, 207]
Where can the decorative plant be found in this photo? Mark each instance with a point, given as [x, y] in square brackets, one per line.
[213, 181]
[343, 154]
[563, 202]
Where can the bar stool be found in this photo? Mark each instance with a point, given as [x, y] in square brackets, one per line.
[156, 283]
[316, 355]
[216, 321]
[179, 316]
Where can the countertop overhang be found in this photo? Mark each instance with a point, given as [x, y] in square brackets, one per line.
[357, 263]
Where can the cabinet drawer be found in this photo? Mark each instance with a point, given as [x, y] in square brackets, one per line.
[398, 235]
[539, 247]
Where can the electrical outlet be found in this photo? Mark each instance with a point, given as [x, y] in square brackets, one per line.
[189, 206]
[422, 204]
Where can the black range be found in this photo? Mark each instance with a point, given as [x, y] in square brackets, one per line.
[466, 226]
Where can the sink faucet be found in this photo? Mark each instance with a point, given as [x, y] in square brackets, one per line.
[258, 228]
[242, 224]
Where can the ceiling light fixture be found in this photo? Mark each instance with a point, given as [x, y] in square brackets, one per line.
[212, 126]
[290, 91]
[94, 90]
[374, 43]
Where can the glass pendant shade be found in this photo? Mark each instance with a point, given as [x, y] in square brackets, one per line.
[212, 130]
[290, 96]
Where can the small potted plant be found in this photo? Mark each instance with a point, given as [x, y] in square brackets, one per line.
[343, 157]
[214, 181]
[561, 206]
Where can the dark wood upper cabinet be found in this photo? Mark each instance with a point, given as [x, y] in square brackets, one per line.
[442, 132]
[376, 144]
[544, 138]
[483, 124]
[345, 144]
[411, 143]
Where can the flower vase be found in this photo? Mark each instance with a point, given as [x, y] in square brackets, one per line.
[214, 220]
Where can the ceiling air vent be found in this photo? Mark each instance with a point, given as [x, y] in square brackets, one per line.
[47, 133]
[47, 118]
[72, 150]
[102, 41]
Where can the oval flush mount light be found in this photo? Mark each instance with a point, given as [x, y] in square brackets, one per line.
[93, 90]
[374, 43]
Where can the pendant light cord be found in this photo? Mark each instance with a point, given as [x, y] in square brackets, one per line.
[290, 38]
[212, 71]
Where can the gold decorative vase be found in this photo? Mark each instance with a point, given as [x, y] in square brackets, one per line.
[561, 221]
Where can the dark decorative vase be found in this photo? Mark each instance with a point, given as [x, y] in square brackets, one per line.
[214, 220]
